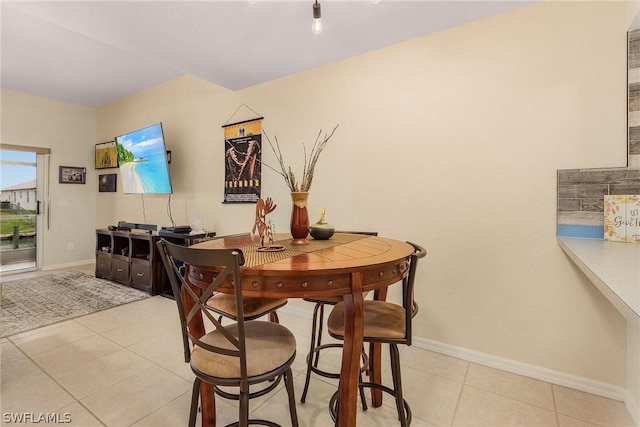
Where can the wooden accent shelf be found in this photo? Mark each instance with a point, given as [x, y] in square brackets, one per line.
[130, 258]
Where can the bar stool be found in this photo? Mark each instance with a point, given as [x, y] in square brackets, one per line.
[238, 355]
[385, 323]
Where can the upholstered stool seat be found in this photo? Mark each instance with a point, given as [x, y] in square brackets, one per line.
[268, 346]
[382, 320]
[254, 307]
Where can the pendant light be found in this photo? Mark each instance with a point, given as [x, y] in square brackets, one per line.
[316, 27]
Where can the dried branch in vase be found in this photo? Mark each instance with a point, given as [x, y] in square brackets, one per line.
[309, 162]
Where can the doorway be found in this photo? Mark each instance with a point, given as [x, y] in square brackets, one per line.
[21, 182]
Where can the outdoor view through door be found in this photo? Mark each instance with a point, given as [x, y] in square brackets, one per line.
[19, 207]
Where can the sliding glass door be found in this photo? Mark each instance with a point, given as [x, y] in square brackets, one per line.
[20, 207]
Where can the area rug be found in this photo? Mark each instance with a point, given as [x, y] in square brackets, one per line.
[39, 301]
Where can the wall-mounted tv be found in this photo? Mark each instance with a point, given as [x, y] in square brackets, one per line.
[142, 157]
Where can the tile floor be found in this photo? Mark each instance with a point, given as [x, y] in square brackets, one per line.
[124, 367]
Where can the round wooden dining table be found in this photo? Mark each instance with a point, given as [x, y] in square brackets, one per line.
[346, 265]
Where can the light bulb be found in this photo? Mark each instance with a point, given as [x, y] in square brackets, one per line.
[316, 27]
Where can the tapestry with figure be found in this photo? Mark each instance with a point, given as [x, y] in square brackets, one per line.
[243, 154]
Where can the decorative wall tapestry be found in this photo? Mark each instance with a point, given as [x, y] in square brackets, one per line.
[243, 161]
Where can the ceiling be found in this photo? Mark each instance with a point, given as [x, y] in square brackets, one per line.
[95, 52]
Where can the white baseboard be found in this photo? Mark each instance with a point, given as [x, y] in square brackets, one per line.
[588, 385]
[575, 382]
[68, 265]
[632, 407]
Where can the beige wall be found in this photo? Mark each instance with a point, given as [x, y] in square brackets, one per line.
[452, 141]
[70, 132]
[192, 112]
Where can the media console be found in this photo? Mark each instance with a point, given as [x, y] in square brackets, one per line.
[130, 258]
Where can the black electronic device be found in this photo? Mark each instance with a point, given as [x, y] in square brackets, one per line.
[180, 229]
[128, 226]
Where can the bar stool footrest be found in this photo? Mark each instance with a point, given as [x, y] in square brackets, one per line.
[334, 401]
[234, 396]
[334, 375]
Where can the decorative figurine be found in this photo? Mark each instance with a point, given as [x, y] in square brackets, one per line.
[265, 230]
[321, 230]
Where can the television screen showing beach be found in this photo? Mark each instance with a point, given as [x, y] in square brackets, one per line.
[143, 161]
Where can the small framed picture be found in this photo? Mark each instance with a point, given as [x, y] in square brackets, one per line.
[107, 183]
[72, 175]
[106, 155]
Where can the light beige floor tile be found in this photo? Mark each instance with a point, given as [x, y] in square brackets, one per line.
[594, 409]
[435, 363]
[43, 329]
[176, 364]
[226, 412]
[510, 385]
[92, 376]
[432, 398]
[79, 416]
[160, 347]
[275, 409]
[9, 352]
[61, 359]
[48, 338]
[134, 398]
[480, 408]
[19, 368]
[314, 412]
[299, 326]
[112, 318]
[25, 388]
[157, 306]
[386, 416]
[174, 413]
[139, 331]
[567, 421]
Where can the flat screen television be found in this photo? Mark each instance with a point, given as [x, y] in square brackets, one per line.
[142, 158]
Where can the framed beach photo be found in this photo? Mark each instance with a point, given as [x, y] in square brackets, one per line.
[107, 183]
[72, 175]
[106, 155]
